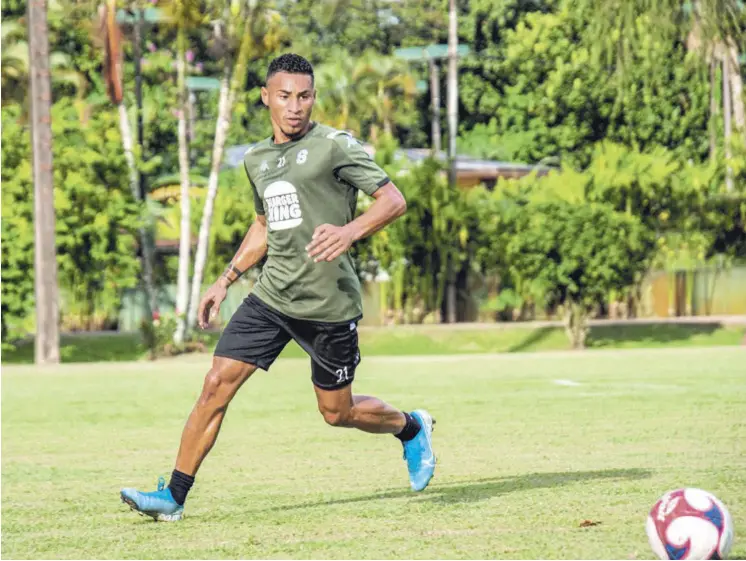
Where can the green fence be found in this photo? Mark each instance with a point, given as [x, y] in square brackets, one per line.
[700, 292]
[132, 311]
[665, 294]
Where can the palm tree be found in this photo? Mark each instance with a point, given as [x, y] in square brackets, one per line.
[374, 90]
[185, 14]
[15, 66]
[252, 33]
[715, 27]
[112, 39]
[338, 103]
[45, 256]
[386, 91]
[716, 23]
[15, 62]
[711, 28]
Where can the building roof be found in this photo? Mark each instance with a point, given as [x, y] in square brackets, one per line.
[467, 168]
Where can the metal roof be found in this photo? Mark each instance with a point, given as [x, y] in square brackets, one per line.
[466, 166]
[426, 52]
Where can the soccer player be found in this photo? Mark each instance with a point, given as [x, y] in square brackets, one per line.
[305, 180]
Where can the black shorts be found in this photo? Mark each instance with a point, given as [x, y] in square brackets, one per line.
[257, 334]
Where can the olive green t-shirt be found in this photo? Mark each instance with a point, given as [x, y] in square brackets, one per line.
[298, 186]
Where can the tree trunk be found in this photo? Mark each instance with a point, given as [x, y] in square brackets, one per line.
[182, 285]
[451, 301]
[148, 250]
[200, 258]
[45, 254]
[435, 103]
[452, 94]
[576, 325]
[736, 85]
[387, 128]
[134, 177]
[191, 123]
[714, 110]
[727, 115]
[229, 86]
[452, 110]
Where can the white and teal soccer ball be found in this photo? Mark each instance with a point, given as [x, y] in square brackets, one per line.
[689, 524]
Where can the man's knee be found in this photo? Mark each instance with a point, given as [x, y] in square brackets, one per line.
[336, 417]
[214, 383]
[222, 381]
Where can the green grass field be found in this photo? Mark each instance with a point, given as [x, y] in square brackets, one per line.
[530, 446]
[428, 340]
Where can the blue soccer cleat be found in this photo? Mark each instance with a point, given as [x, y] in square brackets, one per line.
[160, 504]
[419, 452]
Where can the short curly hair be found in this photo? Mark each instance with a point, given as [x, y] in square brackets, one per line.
[290, 63]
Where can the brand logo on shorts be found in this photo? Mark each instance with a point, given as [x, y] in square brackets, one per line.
[282, 206]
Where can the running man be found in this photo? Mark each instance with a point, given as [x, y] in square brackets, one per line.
[305, 180]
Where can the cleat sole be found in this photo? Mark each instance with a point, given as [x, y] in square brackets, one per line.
[159, 517]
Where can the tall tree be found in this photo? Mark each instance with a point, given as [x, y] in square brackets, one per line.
[15, 66]
[386, 92]
[713, 28]
[185, 14]
[113, 71]
[337, 102]
[452, 113]
[45, 257]
[252, 32]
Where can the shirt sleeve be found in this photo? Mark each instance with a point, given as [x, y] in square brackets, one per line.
[353, 165]
[258, 203]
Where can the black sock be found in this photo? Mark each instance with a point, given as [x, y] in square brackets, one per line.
[180, 484]
[410, 430]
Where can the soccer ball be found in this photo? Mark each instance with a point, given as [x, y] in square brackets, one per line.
[689, 524]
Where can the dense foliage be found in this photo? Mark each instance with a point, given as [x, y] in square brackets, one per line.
[636, 147]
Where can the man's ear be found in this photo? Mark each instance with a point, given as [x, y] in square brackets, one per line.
[265, 96]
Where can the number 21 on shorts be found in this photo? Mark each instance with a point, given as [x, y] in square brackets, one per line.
[342, 375]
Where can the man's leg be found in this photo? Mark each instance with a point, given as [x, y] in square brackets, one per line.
[335, 355]
[252, 339]
[200, 433]
[340, 408]
[201, 430]
[369, 414]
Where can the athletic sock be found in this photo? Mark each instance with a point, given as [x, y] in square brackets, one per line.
[410, 430]
[180, 484]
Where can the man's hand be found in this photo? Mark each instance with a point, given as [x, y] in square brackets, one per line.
[329, 242]
[209, 306]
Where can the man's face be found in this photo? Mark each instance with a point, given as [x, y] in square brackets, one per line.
[290, 99]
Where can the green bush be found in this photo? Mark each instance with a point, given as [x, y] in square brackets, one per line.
[158, 337]
[96, 220]
[573, 256]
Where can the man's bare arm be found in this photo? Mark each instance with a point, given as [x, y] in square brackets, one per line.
[389, 204]
[253, 248]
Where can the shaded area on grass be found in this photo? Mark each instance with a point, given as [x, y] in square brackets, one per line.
[425, 340]
[659, 335]
[483, 489]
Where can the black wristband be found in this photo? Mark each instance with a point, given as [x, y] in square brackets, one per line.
[235, 269]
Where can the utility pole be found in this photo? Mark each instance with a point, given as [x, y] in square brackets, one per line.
[147, 256]
[452, 108]
[45, 251]
[435, 102]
